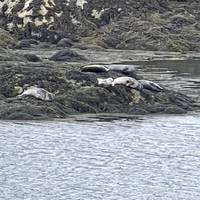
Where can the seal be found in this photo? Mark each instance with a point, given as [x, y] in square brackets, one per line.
[38, 93]
[95, 68]
[150, 85]
[128, 81]
[107, 81]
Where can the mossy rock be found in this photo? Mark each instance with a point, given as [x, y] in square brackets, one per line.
[177, 45]
[155, 18]
[17, 90]
[136, 97]
[6, 38]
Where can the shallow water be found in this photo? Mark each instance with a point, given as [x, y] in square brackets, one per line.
[152, 157]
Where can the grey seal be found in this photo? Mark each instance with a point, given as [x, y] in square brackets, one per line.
[137, 84]
[38, 93]
[150, 85]
[95, 68]
[127, 81]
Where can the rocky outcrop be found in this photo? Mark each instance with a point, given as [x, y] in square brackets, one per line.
[174, 30]
[125, 24]
[70, 15]
[67, 55]
[76, 91]
[6, 38]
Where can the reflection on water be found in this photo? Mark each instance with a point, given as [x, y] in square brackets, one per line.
[179, 67]
[154, 157]
[180, 75]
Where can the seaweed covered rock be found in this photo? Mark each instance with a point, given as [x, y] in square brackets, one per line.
[65, 42]
[7, 55]
[6, 38]
[67, 55]
[123, 24]
[32, 57]
[75, 91]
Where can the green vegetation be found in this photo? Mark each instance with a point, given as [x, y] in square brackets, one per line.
[177, 45]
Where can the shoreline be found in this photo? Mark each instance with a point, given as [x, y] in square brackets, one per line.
[77, 91]
[123, 56]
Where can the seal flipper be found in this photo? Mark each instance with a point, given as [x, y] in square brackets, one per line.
[150, 85]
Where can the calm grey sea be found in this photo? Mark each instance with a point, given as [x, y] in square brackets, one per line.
[152, 157]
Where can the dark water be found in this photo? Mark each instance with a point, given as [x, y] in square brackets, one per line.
[153, 157]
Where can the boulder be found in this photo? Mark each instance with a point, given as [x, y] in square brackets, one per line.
[32, 57]
[6, 38]
[67, 55]
[21, 44]
[65, 42]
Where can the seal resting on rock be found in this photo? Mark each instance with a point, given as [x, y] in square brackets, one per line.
[150, 85]
[107, 81]
[127, 81]
[95, 68]
[38, 93]
[137, 84]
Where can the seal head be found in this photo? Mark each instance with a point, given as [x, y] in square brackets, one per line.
[127, 81]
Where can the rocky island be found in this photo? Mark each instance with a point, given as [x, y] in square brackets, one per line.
[46, 44]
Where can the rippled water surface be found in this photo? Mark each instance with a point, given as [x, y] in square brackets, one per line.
[153, 157]
[179, 75]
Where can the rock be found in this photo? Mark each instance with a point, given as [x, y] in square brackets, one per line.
[22, 112]
[182, 20]
[65, 42]
[94, 47]
[32, 58]
[44, 45]
[23, 44]
[33, 41]
[5, 38]
[85, 78]
[76, 92]
[67, 55]
[105, 23]
[7, 55]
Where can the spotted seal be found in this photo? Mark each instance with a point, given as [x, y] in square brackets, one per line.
[127, 81]
[150, 85]
[38, 93]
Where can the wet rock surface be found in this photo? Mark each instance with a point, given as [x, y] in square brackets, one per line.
[76, 91]
[67, 55]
